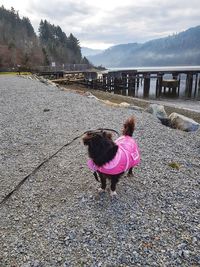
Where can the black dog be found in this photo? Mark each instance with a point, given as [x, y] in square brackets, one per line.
[111, 159]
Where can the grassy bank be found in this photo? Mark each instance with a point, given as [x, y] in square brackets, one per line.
[15, 73]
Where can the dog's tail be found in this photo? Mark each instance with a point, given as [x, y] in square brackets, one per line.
[129, 126]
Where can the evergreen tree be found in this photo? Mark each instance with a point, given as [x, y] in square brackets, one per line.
[19, 45]
[59, 48]
[86, 61]
[18, 42]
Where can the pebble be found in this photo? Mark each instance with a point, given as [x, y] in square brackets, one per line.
[56, 218]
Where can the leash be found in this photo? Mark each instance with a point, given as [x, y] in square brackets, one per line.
[99, 130]
[96, 176]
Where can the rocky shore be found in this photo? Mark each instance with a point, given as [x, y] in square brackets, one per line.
[189, 108]
[57, 218]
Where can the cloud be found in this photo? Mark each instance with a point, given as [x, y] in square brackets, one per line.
[58, 10]
[140, 22]
[113, 21]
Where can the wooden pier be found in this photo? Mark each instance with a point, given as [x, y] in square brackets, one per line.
[127, 82]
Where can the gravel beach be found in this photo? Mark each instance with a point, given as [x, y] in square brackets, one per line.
[57, 218]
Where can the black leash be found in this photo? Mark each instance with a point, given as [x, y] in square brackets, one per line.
[53, 155]
[96, 176]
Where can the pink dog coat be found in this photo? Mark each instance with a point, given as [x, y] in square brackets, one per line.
[127, 156]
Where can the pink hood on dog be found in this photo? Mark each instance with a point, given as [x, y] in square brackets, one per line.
[127, 156]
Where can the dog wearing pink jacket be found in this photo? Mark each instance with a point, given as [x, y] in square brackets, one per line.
[111, 159]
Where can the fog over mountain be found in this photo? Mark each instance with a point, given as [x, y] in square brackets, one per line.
[90, 52]
[178, 49]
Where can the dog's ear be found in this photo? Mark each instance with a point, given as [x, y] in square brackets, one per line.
[108, 135]
[86, 140]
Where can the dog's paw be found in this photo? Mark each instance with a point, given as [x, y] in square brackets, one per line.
[113, 194]
[100, 190]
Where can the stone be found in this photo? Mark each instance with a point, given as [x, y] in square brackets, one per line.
[157, 110]
[36, 263]
[90, 95]
[124, 104]
[186, 253]
[183, 123]
[46, 109]
[135, 108]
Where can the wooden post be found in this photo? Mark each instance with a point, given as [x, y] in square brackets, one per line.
[179, 82]
[116, 86]
[95, 84]
[104, 82]
[111, 83]
[124, 83]
[108, 83]
[131, 85]
[146, 85]
[138, 80]
[159, 84]
[175, 77]
[189, 82]
[195, 88]
[198, 95]
[160, 87]
[99, 83]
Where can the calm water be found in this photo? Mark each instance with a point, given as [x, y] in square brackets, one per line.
[167, 68]
[139, 92]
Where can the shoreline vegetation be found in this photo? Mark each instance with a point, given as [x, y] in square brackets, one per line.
[15, 73]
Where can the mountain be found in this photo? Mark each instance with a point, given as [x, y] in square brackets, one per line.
[178, 49]
[89, 51]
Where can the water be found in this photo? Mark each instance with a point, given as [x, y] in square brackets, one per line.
[152, 92]
[167, 70]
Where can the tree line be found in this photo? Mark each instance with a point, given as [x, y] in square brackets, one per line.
[20, 46]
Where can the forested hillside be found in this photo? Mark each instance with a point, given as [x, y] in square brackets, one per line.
[19, 44]
[178, 49]
[57, 46]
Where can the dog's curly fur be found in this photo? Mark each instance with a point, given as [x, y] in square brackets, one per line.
[102, 149]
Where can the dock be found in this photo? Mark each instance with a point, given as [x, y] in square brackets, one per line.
[127, 81]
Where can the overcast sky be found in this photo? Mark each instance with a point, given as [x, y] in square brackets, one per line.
[103, 23]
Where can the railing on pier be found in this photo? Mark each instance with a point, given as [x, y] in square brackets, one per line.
[60, 70]
[63, 67]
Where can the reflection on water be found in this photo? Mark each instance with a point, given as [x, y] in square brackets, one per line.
[152, 91]
[180, 70]
[139, 90]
